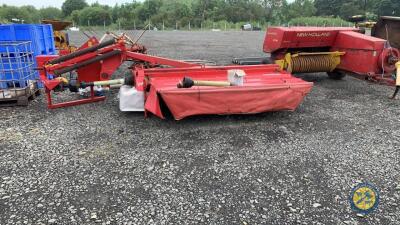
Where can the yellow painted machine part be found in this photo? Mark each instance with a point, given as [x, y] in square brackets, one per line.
[108, 82]
[398, 74]
[212, 83]
[62, 80]
[366, 24]
[310, 62]
[60, 39]
[281, 63]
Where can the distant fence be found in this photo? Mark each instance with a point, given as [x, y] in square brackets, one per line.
[220, 26]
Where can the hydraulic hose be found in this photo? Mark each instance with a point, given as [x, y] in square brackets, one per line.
[87, 62]
[82, 52]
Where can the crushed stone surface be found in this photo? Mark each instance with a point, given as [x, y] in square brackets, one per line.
[92, 164]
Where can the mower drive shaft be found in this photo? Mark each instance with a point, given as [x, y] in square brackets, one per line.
[188, 82]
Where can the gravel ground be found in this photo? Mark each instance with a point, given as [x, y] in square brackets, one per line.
[93, 164]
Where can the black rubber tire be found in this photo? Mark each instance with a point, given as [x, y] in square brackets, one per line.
[336, 75]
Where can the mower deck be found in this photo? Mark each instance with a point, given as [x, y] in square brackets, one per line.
[265, 88]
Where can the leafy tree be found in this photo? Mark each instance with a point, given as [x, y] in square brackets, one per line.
[75, 16]
[148, 9]
[93, 16]
[125, 14]
[388, 8]
[347, 8]
[216, 13]
[301, 8]
[173, 12]
[211, 9]
[273, 9]
[351, 8]
[328, 7]
[34, 15]
[70, 5]
[11, 13]
[243, 10]
[50, 13]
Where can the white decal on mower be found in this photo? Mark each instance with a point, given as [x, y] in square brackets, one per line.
[314, 34]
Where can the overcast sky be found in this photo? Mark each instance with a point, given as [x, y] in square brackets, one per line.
[58, 3]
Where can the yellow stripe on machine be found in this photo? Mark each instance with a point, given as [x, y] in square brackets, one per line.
[398, 73]
[310, 62]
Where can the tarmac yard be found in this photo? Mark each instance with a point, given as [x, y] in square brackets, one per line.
[92, 164]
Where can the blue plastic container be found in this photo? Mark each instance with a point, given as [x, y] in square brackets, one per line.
[3, 85]
[46, 39]
[17, 63]
[17, 74]
[41, 40]
[41, 36]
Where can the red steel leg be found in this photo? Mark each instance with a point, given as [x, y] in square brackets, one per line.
[91, 99]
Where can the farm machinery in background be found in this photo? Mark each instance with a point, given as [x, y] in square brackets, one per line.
[338, 51]
[388, 27]
[61, 38]
[162, 86]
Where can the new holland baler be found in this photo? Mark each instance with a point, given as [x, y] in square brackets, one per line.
[335, 50]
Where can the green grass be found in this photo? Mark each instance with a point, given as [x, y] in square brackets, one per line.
[319, 21]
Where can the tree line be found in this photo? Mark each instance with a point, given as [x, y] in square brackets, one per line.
[198, 13]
